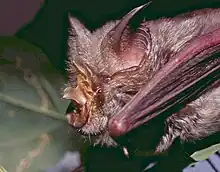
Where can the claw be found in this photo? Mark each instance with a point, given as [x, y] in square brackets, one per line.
[125, 150]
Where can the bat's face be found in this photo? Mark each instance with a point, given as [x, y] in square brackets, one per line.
[103, 78]
[95, 97]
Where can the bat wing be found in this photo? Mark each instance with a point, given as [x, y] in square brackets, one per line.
[193, 71]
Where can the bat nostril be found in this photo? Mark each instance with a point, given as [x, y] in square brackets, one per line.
[117, 127]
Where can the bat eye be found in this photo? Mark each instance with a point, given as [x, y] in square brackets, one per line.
[130, 93]
[105, 78]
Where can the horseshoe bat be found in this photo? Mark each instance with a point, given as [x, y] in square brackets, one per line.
[121, 77]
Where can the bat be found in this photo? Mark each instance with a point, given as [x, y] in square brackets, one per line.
[120, 77]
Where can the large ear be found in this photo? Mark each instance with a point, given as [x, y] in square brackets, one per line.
[79, 40]
[124, 44]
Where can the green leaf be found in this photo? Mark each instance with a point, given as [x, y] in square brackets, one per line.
[33, 128]
[205, 153]
[2, 169]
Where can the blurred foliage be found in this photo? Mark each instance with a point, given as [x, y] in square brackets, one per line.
[33, 129]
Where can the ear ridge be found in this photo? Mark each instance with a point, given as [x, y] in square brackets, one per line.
[127, 47]
[79, 39]
[113, 38]
[77, 27]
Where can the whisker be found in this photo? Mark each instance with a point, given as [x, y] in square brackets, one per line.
[90, 139]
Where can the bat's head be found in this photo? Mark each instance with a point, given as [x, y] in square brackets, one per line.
[104, 69]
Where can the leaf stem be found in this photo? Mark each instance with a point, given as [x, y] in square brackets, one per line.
[28, 106]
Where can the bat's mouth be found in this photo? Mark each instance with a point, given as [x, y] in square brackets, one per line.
[86, 122]
[86, 97]
[77, 115]
[86, 117]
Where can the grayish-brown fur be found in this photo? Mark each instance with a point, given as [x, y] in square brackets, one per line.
[199, 119]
